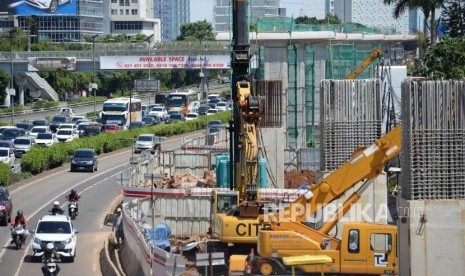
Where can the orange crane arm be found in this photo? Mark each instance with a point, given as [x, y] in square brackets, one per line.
[377, 53]
[364, 164]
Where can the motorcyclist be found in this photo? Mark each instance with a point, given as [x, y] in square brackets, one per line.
[50, 258]
[73, 196]
[20, 219]
[56, 210]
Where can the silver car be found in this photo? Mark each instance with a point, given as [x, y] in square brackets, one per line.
[22, 145]
[146, 142]
[50, 5]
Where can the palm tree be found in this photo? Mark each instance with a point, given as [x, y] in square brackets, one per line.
[428, 7]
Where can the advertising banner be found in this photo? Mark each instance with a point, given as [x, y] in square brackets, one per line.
[52, 64]
[38, 7]
[164, 62]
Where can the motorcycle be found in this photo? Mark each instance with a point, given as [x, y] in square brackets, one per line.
[73, 209]
[50, 259]
[18, 233]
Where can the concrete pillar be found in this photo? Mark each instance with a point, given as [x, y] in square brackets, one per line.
[21, 84]
[7, 101]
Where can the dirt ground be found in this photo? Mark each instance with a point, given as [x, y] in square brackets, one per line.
[294, 179]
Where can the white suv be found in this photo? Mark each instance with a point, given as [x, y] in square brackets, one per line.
[56, 229]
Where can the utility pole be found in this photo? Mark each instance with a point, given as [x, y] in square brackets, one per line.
[94, 88]
[11, 80]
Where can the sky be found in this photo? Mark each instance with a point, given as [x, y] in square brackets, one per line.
[203, 9]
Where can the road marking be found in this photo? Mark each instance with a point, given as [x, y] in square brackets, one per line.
[45, 205]
[80, 183]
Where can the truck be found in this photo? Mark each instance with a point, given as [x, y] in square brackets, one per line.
[364, 248]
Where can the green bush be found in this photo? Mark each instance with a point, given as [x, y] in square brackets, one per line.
[45, 105]
[5, 174]
[39, 159]
[8, 110]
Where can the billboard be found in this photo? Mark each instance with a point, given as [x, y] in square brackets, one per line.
[165, 62]
[38, 7]
[51, 64]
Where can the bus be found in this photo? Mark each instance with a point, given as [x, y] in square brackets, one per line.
[182, 100]
[117, 110]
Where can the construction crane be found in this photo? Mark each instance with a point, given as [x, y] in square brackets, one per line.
[240, 224]
[376, 53]
[364, 248]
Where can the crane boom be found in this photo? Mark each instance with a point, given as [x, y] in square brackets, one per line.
[364, 164]
[377, 53]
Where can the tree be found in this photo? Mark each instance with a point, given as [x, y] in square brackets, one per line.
[200, 30]
[454, 17]
[4, 82]
[329, 19]
[444, 60]
[428, 7]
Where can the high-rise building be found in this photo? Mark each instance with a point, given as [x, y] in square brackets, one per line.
[132, 17]
[257, 9]
[173, 14]
[316, 8]
[372, 13]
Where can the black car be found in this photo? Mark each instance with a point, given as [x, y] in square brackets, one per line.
[151, 120]
[84, 159]
[203, 110]
[57, 121]
[40, 122]
[136, 124]
[175, 117]
[214, 126]
[6, 206]
[10, 134]
[26, 126]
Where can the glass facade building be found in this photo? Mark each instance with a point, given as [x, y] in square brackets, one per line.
[88, 20]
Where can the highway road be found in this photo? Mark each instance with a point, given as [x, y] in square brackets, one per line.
[97, 191]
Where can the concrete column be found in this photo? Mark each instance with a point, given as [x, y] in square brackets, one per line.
[21, 84]
[7, 101]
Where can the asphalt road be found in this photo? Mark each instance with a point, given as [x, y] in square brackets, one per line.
[97, 191]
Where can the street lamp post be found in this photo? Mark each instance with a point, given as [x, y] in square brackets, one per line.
[12, 79]
[150, 57]
[93, 72]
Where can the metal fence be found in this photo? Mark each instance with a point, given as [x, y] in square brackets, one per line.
[433, 139]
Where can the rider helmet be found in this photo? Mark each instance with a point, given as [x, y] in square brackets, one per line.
[56, 204]
[20, 213]
[73, 191]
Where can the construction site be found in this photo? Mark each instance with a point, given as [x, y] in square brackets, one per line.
[334, 162]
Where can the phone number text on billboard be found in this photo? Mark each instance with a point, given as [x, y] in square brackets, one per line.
[164, 62]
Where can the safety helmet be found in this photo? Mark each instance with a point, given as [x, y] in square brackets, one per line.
[49, 246]
[20, 213]
[73, 190]
[56, 203]
[118, 210]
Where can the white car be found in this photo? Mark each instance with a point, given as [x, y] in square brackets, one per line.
[67, 126]
[159, 111]
[50, 5]
[221, 106]
[45, 139]
[77, 118]
[58, 230]
[38, 129]
[191, 116]
[7, 156]
[212, 111]
[66, 135]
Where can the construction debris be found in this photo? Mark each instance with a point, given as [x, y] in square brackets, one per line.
[294, 179]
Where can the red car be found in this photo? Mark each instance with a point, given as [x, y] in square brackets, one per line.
[112, 128]
[5, 207]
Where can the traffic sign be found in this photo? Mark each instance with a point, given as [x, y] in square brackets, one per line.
[147, 85]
